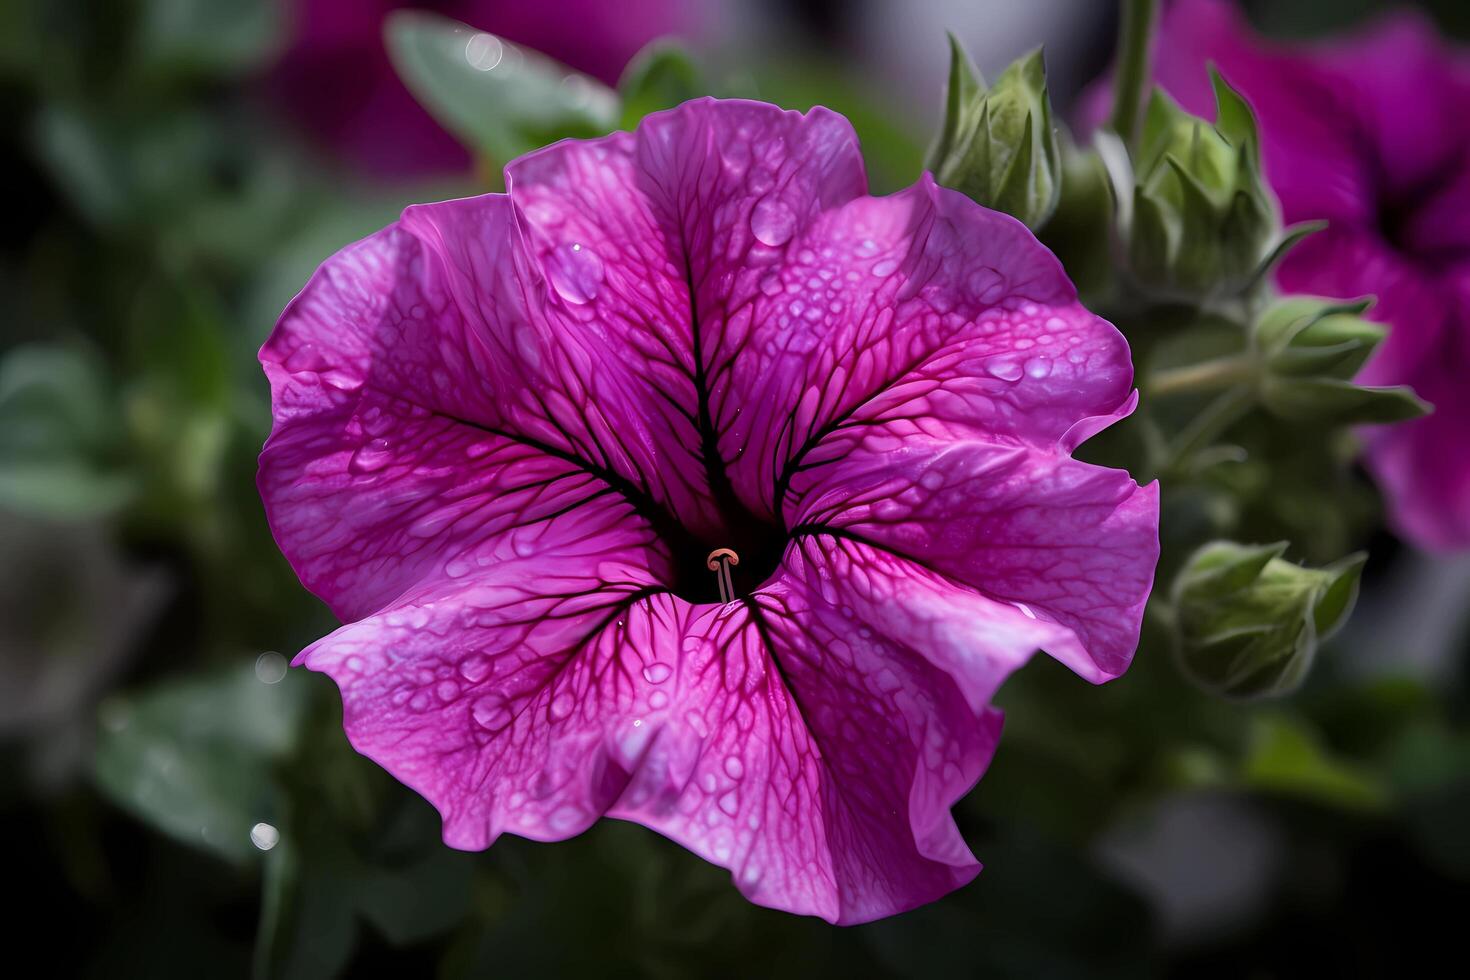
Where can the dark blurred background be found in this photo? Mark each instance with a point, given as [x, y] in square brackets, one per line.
[177, 803]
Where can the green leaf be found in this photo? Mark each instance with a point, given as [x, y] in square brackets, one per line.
[193, 758]
[1286, 757]
[1290, 238]
[1339, 595]
[60, 436]
[1233, 116]
[660, 76]
[500, 99]
[207, 36]
[965, 86]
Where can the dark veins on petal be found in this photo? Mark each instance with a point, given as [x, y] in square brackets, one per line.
[758, 542]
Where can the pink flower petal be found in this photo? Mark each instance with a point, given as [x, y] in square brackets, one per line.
[824, 784]
[1066, 542]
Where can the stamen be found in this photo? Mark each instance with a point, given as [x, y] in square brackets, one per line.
[719, 562]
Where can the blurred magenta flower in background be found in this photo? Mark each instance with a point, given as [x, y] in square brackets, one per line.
[335, 77]
[509, 431]
[1369, 133]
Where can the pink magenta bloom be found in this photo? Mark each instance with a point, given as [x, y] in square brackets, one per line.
[1371, 134]
[337, 81]
[509, 431]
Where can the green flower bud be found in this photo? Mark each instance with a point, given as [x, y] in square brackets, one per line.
[1249, 622]
[1311, 349]
[1203, 221]
[1303, 335]
[1328, 401]
[998, 144]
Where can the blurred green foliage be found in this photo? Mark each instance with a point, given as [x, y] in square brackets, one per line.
[162, 214]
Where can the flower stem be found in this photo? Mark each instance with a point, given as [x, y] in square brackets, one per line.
[1213, 375]
[1207, 426]
[1135, 31]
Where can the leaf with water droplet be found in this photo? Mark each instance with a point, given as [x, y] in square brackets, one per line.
[521, 103]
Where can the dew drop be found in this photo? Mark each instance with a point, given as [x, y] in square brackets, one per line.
[772, 222]
[264, 836]
[270, 667]
[730, 803]
[372, 457]
[575, 272]
[420, 701]
[696, 722]
[447, 690]
[657, 673]
[561, 706]
[734, 768]
[474, 668]
[885, 268]
[657, 700]
[1038, 367]
[490, 712]
[565, 817]
[483, 52]
[1005, 370]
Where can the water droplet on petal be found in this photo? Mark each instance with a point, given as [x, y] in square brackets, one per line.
[730, 803]
[491, 713]
[565, 817]
[734, 768]
[575, 272]
[657, 700]
[657, 673]
[447, 690]
[1038, 367]
[474, 668]
[1005, 370]
[772, 222]
[696, 722]
[885, 268]
[561, 706]
[371, 457]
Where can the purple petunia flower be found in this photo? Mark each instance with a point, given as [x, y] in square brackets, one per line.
[1369, 133]
[337, 81]
[510, 432]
